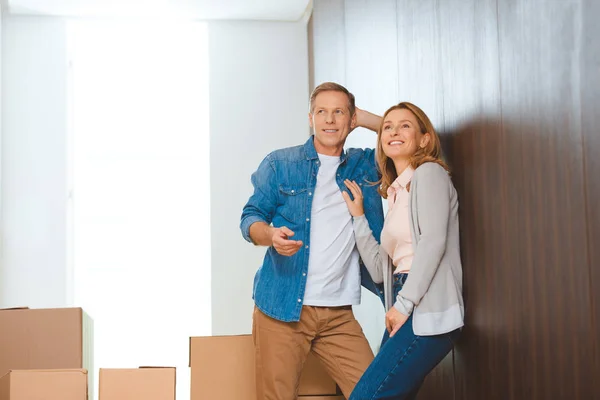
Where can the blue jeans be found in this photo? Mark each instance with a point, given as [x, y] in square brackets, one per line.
[403, 361]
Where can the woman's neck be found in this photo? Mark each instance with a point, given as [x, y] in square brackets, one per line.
[401, 165]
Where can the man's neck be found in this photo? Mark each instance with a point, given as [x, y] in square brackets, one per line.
[328, 151]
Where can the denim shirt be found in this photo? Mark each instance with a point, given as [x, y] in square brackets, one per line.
[283, 191]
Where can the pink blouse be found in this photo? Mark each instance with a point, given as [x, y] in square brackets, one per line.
[396, 238]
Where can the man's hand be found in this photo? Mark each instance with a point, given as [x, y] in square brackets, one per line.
[282, 244]
[394, 320]
[354, 206]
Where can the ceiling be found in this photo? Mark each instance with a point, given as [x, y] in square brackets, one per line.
[274, 10]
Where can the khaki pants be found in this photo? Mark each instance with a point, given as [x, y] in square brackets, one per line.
[331, 333]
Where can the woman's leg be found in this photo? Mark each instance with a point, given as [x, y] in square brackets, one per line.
[402, 364]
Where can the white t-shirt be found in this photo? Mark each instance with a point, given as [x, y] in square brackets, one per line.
[333, 277]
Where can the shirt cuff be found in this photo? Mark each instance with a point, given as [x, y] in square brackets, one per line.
[245, 226]
[404, 306]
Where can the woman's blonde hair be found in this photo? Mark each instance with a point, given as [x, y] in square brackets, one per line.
[432, 152]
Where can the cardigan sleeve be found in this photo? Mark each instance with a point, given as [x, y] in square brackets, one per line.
[368, 248]
[432, 197]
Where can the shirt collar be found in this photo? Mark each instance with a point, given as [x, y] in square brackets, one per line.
[311, 152]
[402, 180]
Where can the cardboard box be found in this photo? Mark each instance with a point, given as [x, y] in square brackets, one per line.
[222, 368]
[217, 361]
[144, 383]
[57, 384]
[45, 339]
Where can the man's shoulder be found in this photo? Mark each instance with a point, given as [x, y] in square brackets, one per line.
[364, 155]
[292, 153]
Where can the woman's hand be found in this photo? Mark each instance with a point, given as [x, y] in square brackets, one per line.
[354, 206]
[394, 320]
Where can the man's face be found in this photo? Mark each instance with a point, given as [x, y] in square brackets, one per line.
[331, 121]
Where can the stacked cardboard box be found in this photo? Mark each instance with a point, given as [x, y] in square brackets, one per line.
[50, 349]
[52, 384]
[144, 383]
[222, 367]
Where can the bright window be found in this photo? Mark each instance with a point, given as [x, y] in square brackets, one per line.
[140, 211]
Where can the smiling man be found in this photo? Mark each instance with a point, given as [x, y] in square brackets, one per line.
[310, 277]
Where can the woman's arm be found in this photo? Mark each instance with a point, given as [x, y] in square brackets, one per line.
[367, 246]
[434, 190]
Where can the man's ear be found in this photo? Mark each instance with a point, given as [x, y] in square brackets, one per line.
[310, 120]
[353, 122]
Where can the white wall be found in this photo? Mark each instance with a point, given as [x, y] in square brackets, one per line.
[259, 102]
[33, 162]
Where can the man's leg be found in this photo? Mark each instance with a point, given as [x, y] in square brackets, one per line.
[341, 346]
[280, 349]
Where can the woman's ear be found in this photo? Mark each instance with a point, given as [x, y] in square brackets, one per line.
[425, 140]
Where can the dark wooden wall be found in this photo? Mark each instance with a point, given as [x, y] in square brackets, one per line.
[527, 175]
[514, 88]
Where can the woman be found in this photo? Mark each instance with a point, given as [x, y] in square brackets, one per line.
[418, 260]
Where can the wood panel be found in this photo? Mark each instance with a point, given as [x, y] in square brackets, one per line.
[590, 105]
[513, 86]
[546, 296]
[476, 152]
[439, 384]
[418, 63]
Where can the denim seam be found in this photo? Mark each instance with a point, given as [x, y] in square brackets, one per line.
[394, 369]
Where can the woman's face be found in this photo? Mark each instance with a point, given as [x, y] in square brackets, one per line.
[401, 136]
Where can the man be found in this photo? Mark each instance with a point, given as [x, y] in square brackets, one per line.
[310, 276]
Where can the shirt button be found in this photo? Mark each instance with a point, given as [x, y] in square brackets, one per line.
[307, 219]
[299, 300]
[306, 247]
[304, 274]
[292, 191]
[310, 193]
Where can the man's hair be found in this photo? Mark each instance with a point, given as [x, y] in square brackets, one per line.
[332, 87]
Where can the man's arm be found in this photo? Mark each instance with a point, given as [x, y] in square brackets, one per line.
[263, 234]
[365, 119]
[259, 211]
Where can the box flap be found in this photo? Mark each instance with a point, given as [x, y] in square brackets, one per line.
[41, 339]
[51, 371]
[63, 384]
[137, 383]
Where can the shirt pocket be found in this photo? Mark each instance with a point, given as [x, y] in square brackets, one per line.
[292, 203]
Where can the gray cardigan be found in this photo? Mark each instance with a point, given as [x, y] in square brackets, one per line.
[433, 290]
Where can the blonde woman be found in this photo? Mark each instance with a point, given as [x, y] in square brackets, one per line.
[418, 260]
